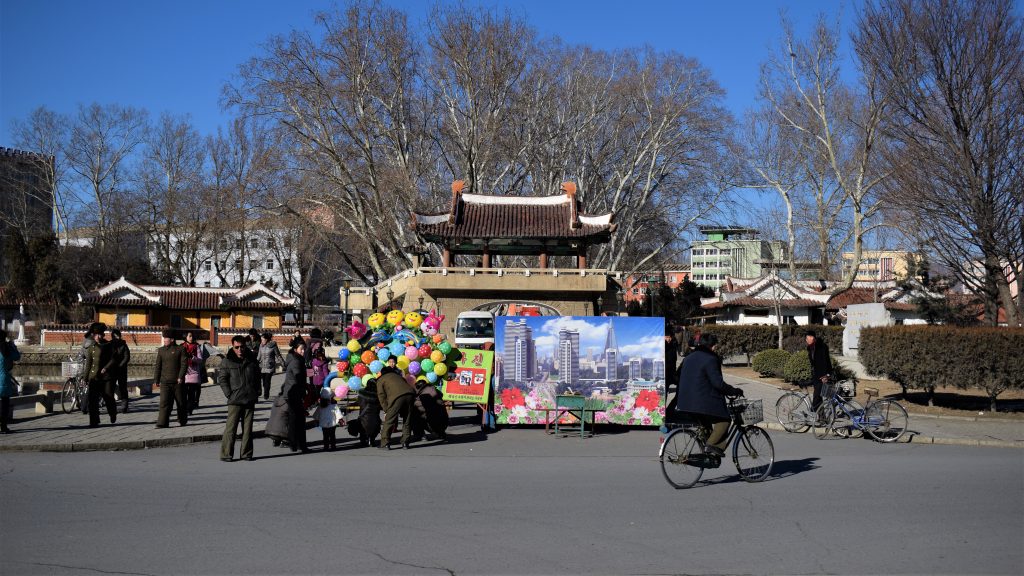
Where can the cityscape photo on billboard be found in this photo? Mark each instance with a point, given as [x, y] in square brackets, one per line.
[619, 361]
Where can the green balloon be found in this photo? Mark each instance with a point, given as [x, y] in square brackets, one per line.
[444, 347]
[427, 365]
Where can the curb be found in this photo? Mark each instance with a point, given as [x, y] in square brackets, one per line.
[918, 439]
[118, 446]
[914, 414]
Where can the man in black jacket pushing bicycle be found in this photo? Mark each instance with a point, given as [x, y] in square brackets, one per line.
[702, 392]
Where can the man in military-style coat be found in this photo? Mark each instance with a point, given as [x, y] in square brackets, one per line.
[169, 374]
[396, 396]
[99, 373]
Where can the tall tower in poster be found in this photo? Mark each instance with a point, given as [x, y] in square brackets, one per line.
[522, 352]
[568, 356]
[611, 354]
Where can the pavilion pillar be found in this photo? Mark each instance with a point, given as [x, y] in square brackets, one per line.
[487, 257]
[544, 259]
[446, 258]
[581, 260]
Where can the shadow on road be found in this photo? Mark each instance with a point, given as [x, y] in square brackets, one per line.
[786, 468]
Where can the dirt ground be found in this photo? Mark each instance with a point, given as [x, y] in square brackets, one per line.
[948, 402]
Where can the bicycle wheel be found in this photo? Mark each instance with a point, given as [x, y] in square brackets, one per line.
[790, 410]
[680, 449]
[885, 420]
[68, 396]
[824, 418]
[753, 453]
[842, 423]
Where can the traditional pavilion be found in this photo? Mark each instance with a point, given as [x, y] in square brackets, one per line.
[544, 226]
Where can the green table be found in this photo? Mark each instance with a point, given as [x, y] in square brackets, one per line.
[578, 406]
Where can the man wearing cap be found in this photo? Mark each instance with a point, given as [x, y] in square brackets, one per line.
[170, 376]
[239, 379]
[99, 367]
[396, 397]
[122, 356]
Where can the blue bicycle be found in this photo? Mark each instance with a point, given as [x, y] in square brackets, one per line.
[883, 420]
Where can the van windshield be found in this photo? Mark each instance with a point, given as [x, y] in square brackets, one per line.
[474, 328]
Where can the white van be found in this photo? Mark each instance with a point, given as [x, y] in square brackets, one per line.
[474, 329]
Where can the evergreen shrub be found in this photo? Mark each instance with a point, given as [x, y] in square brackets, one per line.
[930, 357]
[770, 363]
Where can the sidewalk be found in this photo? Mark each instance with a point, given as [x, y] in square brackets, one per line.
[59, 432]
[923, 429]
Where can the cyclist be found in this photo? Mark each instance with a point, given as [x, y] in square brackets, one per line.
[702, 392]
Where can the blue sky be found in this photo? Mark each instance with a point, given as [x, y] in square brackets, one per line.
[636, 336]
[175, 56]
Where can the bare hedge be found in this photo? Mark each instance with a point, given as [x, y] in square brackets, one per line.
[930, 357]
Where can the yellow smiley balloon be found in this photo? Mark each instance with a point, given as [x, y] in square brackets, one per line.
[395, 316]
[413, 320]
[375, 321]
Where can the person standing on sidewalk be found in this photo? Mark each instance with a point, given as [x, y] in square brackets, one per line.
[294, 391]
[8, 356]
[270, 358]
[239, 379]
[821, 365]
[99, 372]
[195, 370]
[169, 374]
[122, 356]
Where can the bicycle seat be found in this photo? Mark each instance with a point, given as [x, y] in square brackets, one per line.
[871, 392]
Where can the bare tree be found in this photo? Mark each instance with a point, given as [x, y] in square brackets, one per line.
[956, 71]
[836, 125]
[101, 140]
[174, 209]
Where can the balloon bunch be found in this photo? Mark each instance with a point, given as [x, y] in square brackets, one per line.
[414, 341]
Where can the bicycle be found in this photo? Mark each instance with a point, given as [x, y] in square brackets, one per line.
[793, 409]
[74, 391]
[884, 420]
[684, 457]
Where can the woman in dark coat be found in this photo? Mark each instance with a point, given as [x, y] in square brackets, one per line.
[702, 392]
[294, 390]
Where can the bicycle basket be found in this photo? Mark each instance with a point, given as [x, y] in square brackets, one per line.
[70, 369]
[828, 389]
[749, 411]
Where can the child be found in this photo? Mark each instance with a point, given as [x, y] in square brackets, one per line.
[327, 415]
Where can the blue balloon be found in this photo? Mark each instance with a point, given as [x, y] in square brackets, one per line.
[431, 377]
[396, 348]
[383, 354]
[376, 366]
[354, 383]
[344, 353]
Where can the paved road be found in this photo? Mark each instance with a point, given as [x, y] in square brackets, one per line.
[512, 502]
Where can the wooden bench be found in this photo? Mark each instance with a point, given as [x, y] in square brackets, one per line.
[42, 400]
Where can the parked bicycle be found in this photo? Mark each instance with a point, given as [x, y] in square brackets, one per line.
[74, 392]
[883, 420]
[684, 458]
[793, 409]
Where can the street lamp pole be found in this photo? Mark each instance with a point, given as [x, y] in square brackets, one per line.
[347, 284]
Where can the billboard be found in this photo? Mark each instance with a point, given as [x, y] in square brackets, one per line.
[472, 377]
[618, 361]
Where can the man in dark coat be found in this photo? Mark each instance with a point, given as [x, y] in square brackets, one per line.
[239, 379]
[369, 413]
[430, 410]
[169, 374]
[702, 392]
[397, 398]
[99, 371]
[294, 391]
[122, 356]
[821, 364]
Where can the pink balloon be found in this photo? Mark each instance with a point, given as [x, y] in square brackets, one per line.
[411, 352]
[341, 391]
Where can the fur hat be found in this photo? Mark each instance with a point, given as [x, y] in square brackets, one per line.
[169, 333]
[97, 328]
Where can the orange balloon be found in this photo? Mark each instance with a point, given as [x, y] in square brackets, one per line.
[438, 338]
[368, 357]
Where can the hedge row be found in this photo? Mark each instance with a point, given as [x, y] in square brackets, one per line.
[751, 339]
[930, 357]
[795, 367]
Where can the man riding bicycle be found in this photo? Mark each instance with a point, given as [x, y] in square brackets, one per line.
[702, 391]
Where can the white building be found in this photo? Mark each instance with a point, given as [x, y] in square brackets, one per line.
[568, 356]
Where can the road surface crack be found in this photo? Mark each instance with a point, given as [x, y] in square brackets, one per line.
[450, 572]
[88, 569]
